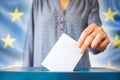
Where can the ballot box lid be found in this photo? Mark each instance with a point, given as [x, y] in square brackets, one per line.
[40, 73]
[42, 69]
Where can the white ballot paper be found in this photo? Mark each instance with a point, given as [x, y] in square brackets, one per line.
[64, 56]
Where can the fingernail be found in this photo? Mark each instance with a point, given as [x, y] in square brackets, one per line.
[81, 51]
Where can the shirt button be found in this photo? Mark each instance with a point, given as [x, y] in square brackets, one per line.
[61, 22]
[60, 28]
[60, 15]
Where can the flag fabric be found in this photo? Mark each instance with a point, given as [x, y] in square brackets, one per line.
[13, 27]
[110, 15]
[14, 15]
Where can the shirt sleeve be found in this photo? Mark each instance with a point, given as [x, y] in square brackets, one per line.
[94, 17]
[29, 42]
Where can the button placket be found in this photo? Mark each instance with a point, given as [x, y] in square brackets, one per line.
[61, 22]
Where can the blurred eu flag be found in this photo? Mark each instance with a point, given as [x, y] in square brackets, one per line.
[13, 25]
[110, 15]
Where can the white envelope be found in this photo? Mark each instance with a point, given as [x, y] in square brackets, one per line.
[64, 56]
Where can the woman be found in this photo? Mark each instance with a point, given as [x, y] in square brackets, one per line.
[77, 18]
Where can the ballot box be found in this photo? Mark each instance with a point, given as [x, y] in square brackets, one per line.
[40, 73]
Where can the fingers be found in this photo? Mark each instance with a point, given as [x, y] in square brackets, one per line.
[97, 40]
[103, 44]
[85, 34]
[93, 37]
[86, 44]
[88, 41]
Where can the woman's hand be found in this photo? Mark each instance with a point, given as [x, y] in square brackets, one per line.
[93, 37]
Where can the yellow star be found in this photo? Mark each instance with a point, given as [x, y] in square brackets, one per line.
[8, 41]
[16, 15]
[109, 65]
[109, 15]
[116, 41]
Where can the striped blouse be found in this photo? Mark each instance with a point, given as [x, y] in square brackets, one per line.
[48, 22]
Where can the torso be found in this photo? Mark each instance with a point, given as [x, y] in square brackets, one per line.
[50, 22]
